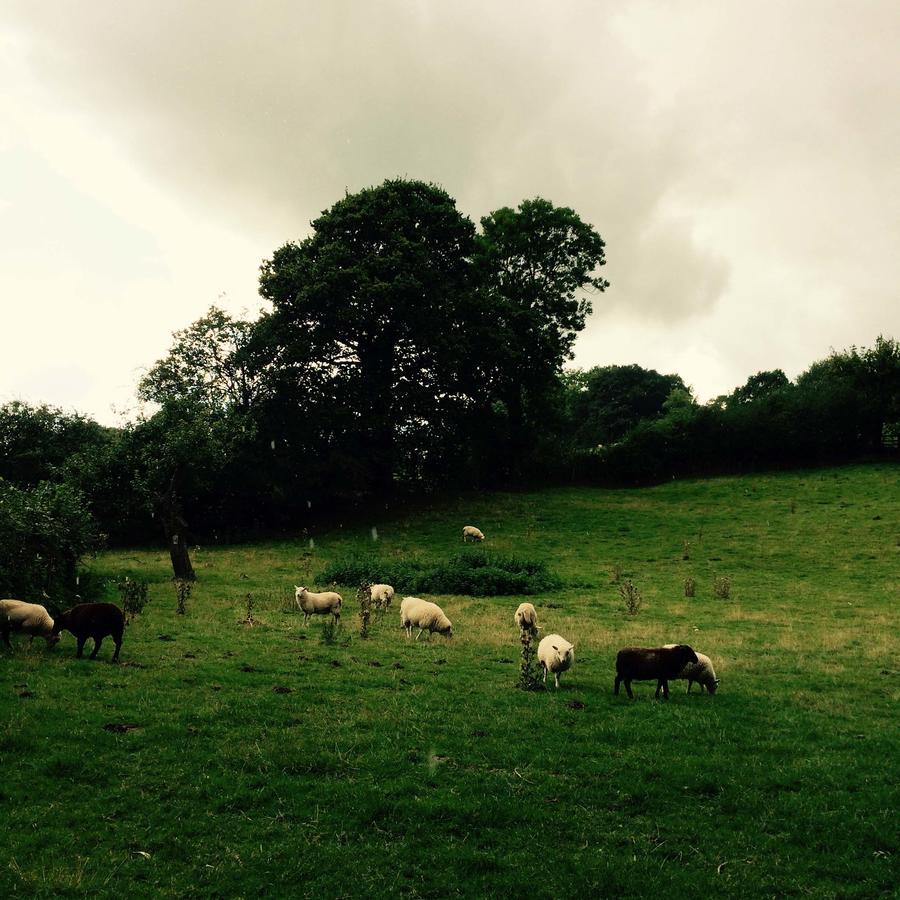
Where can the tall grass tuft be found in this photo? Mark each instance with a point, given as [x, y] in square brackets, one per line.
[528, 673]
[364, 596]
[690, 587]
[722, 587]
[631, 597]
[183, 593]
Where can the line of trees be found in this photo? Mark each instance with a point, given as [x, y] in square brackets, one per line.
[406, 350]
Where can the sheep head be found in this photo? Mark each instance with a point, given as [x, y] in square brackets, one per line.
[686, 653]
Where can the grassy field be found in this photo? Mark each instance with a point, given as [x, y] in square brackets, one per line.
[397, 769]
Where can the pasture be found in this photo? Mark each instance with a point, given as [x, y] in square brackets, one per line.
[279, 760]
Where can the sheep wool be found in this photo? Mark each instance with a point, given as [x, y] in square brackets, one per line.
[556, 655]
[701, 671]
[26, 618]
[313, 604]
[526, 617]
[381, 595]
[424, 615]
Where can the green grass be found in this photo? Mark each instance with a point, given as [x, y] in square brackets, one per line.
[400, 769]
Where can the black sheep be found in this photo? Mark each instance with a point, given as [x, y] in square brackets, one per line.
[657, 663]
[92, 620]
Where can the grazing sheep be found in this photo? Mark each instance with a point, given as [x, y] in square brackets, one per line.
[701, 671]
[311, 604]
[381, 595]
[526, 618]
[424, 615]
[646, 664]
[471, 533]
[556, 655]
[27, 618]
[93, 620]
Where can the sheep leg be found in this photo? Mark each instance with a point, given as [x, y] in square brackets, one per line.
[118, 648]
[616, 687]
[545, 672]
[658, 687]
[6, 638]
[556, 677]
[420, 633]
[665, 688]
[80, 651]
[628, 689]
[97, 642]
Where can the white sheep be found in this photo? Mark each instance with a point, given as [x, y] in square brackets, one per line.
[556, 655]
[313, 604]
[381, 595]
[526, 618]
[471, 533]
[27, 618]
[424, 615]
[701, 671]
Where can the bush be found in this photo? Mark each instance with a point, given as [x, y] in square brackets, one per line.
[44, 533]
[477, 573]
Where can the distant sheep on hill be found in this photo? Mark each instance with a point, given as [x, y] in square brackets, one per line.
[471, 533]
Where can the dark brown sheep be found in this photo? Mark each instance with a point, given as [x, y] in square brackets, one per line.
[92, 620]
[657, 663]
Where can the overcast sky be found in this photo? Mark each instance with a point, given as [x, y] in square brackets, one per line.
[740, 160]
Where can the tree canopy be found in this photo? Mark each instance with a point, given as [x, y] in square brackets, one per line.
[371, 315]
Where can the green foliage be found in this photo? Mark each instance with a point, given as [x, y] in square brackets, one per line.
[476, 572]
[211, 361]
[37, 441]
[533, 266]
[372, 325]
[134, 596]
[45, 532]
[609, 402]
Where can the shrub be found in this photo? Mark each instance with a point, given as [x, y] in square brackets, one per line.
[631, 596]
[690, 587]
[364, 598]
[475, 572]
[183, 593]
[44, 533]
[722, 587]
[134, 596]
[528, 673]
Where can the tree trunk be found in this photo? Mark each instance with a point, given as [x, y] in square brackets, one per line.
[175, 528]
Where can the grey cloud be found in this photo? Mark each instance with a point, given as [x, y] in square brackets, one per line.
[267, 113]
[739, 159]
